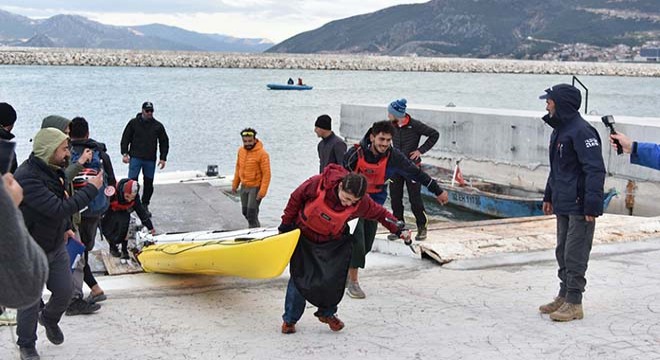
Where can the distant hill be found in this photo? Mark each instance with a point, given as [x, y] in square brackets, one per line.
[484, 28]
[79, 32]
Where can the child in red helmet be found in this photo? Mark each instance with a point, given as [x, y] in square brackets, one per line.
[116, 221]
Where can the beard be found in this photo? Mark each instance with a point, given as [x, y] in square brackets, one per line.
[248, 147]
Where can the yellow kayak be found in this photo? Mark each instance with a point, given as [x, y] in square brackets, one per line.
[252, 254]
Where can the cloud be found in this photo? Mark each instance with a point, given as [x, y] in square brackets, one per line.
[271, 19]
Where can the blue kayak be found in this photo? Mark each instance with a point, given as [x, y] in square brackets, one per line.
[288, 87]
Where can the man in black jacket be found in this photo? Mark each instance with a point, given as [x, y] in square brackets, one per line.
[574, 193]
[89, 220]
[408, 132]
[139, 142]
[375, 158]
[7, 120]
[331, 148]
[47, 210]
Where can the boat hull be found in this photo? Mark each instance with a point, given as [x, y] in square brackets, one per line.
[288, 87]
[251, 255]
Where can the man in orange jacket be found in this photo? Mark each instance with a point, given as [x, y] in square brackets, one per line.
[252, 174]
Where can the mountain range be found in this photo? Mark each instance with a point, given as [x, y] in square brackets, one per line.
[73, 31]
[484, 28]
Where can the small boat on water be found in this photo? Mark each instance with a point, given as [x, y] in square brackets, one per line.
[492, 198]
[288, 87]
[260, 253]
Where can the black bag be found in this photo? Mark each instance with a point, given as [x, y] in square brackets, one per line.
[319, 270]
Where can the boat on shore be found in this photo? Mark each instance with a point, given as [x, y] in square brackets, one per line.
[288, 87]
[492, 198]
[261, 253]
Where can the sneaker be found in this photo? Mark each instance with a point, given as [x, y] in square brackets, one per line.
[353, 290]
[124, 255]
[392, 237]
[288, 328]
[79, 306]
[553, 306]
[53, 332]
[146, 209]
[332, 321]
[92, 299]
[8, 317]
[114, 251]
[568, 312]
[29, 353]
[421, 234]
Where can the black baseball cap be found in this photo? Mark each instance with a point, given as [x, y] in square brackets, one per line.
[147, 105]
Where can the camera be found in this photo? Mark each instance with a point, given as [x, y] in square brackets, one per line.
[6, 155]
[608, 120]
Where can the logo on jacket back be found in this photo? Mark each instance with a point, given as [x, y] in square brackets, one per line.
[591, 142]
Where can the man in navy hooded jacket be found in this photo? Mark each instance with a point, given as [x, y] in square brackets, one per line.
[574, 193]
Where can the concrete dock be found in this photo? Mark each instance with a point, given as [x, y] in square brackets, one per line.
[415, 309]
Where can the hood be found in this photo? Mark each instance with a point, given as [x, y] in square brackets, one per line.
[55, 121]
[332, 174]
[567, 99]
[46, 142]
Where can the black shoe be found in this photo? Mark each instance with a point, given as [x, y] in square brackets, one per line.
[29, 353]
[79, 306]
[421, 234]
[114, 251]
[124, 255]
[146, 209]
[53, 332]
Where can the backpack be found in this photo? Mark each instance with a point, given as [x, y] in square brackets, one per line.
[100, 203]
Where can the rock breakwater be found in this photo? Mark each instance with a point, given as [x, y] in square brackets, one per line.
[97, 57]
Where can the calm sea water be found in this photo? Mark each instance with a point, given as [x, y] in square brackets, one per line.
[204, 109]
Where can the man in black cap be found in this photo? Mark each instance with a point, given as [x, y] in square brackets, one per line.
[142, 136]
[574, 193]
[7, 120]
[331, 147]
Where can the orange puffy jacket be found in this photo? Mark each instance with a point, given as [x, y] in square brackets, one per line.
[252, 168]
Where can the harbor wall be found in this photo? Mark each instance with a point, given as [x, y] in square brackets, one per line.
[511, 146]
[143, 58]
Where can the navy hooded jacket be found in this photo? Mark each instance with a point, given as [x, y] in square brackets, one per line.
[577, 171]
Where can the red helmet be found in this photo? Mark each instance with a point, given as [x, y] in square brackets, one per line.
[81, 179]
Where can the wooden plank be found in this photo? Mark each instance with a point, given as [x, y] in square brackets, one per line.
[114, 266]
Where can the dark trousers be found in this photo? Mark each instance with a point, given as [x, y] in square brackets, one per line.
[574, 238]
[250, 205]
[148, 168]
[60, 285]
[364, 235]
[414, 196]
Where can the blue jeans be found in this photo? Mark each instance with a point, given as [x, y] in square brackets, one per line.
[148, 168]
[294, 305]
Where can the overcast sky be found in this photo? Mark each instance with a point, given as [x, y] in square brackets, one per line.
[275, 20]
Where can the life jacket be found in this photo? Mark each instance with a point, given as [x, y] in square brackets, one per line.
[320, 218]
[115, 205]
[375, 173]
[118, 202]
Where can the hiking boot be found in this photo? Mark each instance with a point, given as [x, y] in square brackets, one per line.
[81, 307]
[53, 332]
[332, 321]
[124, 255]
[288, 328]
[114, 251]
[29, 353]
[353, 290]
[8, 317]
[392, 237]
[421, 234]
[146, 209]
[553, 306]
[568, 312]
[93, 299]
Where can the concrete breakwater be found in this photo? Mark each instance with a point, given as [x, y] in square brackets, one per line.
[97, 57]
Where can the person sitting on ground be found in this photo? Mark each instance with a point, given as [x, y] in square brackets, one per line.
[320, 208]
[115, 223]
[644, 154]
[290, 82]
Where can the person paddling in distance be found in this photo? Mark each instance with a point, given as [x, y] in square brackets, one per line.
[320, 207]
